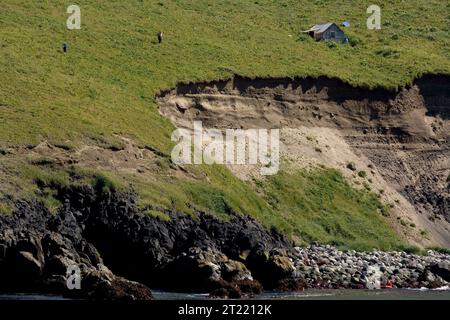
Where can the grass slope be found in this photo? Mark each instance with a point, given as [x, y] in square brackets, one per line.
[106, 84]
[107, 81]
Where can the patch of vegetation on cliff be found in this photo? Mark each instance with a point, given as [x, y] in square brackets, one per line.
[47, 183]
[320, 205]
[440, 250]
[6, 208]
[217, 191]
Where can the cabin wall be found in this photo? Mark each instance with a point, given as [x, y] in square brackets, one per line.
[338, 34]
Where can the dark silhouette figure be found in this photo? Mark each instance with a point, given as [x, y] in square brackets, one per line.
[64, 46]
[160, 36]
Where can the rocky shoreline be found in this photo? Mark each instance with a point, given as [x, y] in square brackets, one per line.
[122, 252]
[328, 267]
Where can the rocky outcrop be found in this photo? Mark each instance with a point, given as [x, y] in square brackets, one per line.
[441, 269]
[38, 249]
[96, 229]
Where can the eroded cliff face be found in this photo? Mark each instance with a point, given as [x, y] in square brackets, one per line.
[401, 138]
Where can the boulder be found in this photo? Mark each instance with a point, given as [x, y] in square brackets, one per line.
[441, 269]
[270, 268]
[101, 284]
[208, 269]
[232, 270]
[27, 267]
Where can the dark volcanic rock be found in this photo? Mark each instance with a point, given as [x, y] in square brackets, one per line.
[96, 228]
[102, 284]
[441, 269]
[37, 249]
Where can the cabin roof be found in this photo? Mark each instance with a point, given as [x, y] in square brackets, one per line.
[321, 28]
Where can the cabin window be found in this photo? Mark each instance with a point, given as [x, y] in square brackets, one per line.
[333, 34]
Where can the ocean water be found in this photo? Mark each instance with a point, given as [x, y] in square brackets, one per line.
[28, 296]
[337, 294]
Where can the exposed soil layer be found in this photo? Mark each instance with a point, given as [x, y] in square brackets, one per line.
[402, 136]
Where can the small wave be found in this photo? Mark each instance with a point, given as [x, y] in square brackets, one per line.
[316, 295]
[444, 288]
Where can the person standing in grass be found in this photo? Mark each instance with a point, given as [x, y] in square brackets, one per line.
[160, 36]
[64, 47]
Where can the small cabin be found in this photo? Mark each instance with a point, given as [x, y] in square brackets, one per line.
[327, 31]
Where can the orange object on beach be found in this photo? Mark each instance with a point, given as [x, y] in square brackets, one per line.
[389, 285]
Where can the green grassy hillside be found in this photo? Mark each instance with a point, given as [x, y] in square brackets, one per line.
[106, 83]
